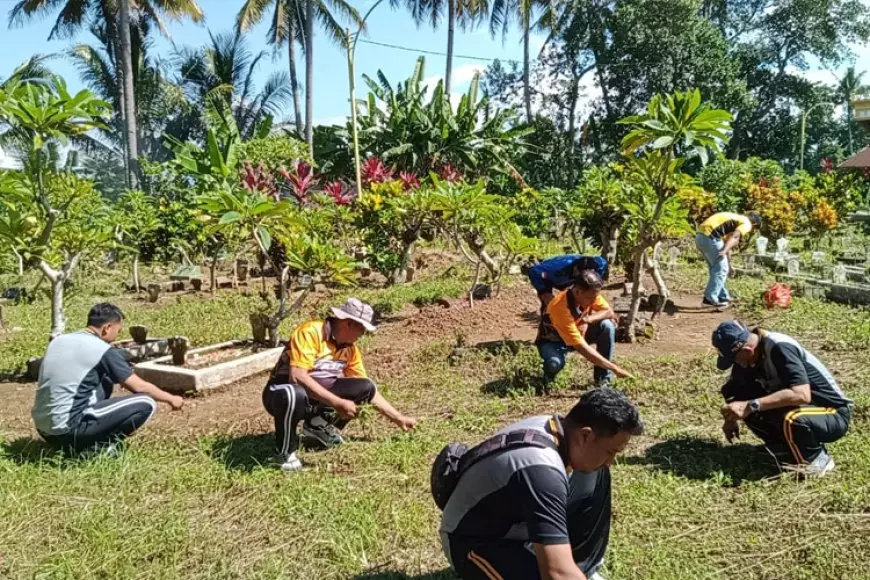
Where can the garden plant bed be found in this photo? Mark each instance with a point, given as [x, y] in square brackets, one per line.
[210, 366]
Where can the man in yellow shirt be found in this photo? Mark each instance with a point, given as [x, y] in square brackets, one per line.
[579, 316]
[717, 236]
[320, 372]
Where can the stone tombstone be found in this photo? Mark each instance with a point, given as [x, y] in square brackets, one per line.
[153, 292]
[178, 345]
[761, 245]
[818, 258]
[750, 261]
[839, 276]
[794, 267]
[782, 245]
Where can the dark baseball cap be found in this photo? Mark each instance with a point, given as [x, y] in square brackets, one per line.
[728, 338]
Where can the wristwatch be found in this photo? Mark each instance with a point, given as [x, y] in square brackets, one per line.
[754, 406]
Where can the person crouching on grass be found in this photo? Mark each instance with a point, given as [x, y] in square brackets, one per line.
[74, 408]
[319, 375]
[575, 318]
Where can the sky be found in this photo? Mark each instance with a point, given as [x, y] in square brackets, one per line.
[331, 104]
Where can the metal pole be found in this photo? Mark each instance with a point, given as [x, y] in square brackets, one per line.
[350, 45]
[351, 49]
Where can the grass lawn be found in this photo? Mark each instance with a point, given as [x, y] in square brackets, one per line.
[196, 501]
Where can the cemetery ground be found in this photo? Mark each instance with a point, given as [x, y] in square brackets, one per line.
[193, 495]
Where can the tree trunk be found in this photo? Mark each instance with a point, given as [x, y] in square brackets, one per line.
[294, 77]
[130, 131]
[213, 273]
[20, 260]
[488, 262]
[136, 285]
[309, 75]
[400, 274]
[58, 279]
[572, 128]
[527, 90]
[609, 243]
[474, 284]
[58, 320]
[451, 27]
[659, 280]
[636, 278]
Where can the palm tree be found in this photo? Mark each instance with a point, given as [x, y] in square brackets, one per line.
[130, 132]
[850, 86]
[75, 14]
[161, 106]
[466, 13]
[32, 69]
[285, 28]
[293, 21]
[221, 75]
[501, 15]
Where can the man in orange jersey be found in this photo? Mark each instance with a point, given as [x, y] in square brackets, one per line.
[578, 318]
[321, 374]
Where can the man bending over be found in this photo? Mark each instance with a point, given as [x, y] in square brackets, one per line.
[530, 513]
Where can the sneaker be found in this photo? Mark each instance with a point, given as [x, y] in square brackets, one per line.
[605, 383]
[820, 466]
[707, 302]
[108, 450]
[288, 462]
[322, 432]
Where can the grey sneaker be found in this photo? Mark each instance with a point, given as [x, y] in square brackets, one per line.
[322, 432]
[109, 450]
[604, 383]
[821, 466]
[288, 462]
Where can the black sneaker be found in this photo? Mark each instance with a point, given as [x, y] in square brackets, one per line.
[722, 305]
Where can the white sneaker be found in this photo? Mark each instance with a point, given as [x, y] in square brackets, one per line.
[289, 462]
[821, 465]
[108, 450]
[322, 431]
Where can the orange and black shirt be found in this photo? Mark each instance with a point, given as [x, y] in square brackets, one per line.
[561, 322]
[311, 347]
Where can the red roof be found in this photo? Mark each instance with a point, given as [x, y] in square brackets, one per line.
[857, 161]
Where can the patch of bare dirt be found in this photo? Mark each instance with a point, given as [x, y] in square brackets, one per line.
[512, 315]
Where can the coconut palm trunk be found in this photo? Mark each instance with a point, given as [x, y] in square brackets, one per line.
[294, 77]
[527, 92]
[128, 96]
[309, 75]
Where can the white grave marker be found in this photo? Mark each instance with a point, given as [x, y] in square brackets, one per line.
[839, 274]
[761, 245]
[794, 267]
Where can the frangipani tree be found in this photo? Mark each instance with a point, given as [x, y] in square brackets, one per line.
[52, 219]
[674, 128]
[250, 217]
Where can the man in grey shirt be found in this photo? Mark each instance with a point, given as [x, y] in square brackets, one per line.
[529, 512]
[73, 409]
